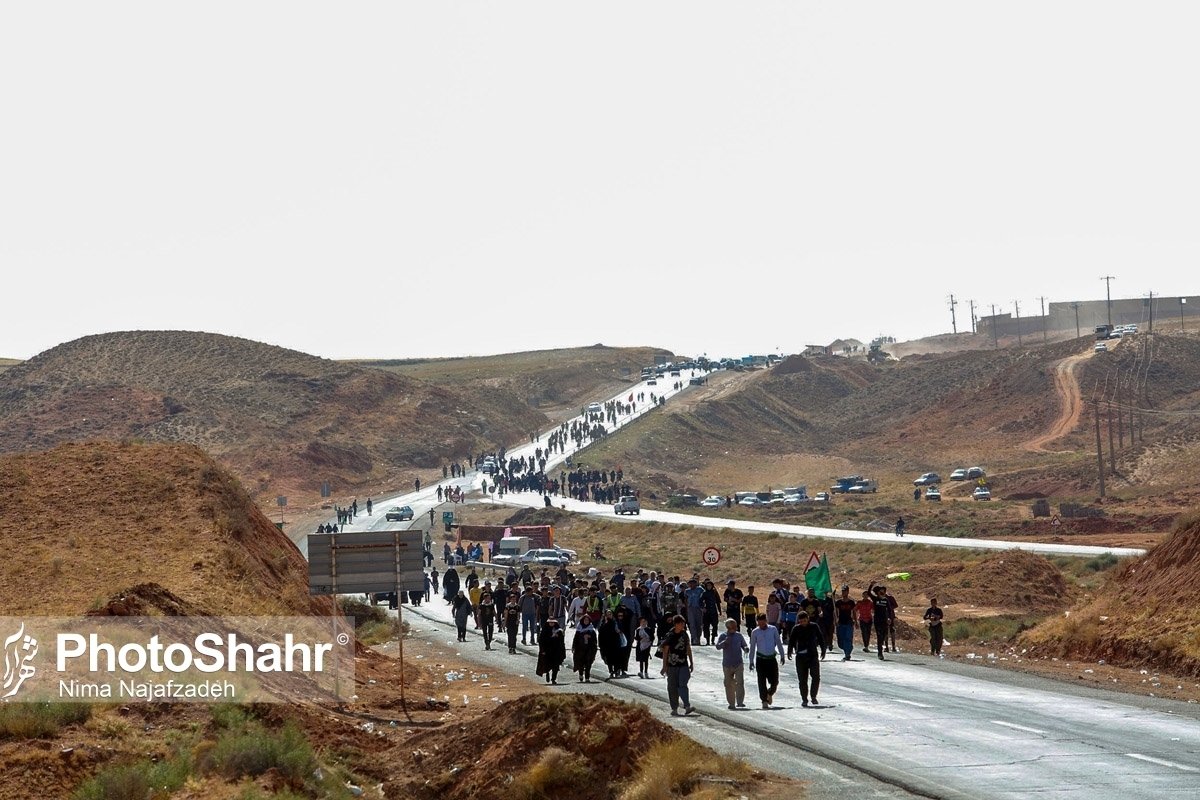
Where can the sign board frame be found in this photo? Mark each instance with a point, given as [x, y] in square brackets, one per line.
[372, 561]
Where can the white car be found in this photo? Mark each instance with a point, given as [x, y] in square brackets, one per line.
[570, 555]
[595, 408]
[1101, 347]
[547, 558]
[796, 500]
[821, 497]
[981, 493]
[752, 502]
[713, 502]
[933, 493]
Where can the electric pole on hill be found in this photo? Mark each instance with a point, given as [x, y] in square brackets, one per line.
[995, 334]
[1017, 306]
[1151, 306]
[953, 322]
[1076, 307]
[1099, 452]
[1043, 299]
[1108, 279]
[973, 331]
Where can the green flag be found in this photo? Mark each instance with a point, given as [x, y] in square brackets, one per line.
[817, 577]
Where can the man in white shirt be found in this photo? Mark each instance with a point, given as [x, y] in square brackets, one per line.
[765, 643]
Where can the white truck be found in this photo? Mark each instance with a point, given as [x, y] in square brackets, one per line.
[510, 549]
[627, 505]
[864, 486]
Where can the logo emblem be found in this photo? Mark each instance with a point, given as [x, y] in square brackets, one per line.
[19, 652]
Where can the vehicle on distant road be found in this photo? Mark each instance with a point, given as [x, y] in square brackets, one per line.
[752, 502]
[595, 408]
[547, 558]
[1101, 347]
[865, 486]
[821, 497]
[975, 473]
[796, 500]
[933, 493]
[928, 479]
[958, 475]
[627, 505]
[842, 485]
[652, 382]
[398, 514]
[981, 493]
[713, 502]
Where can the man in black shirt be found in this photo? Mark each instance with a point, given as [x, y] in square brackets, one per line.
[805, 640]
[933, 617]
[883, 608]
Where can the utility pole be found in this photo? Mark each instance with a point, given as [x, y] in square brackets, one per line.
[1017, 306]
[1108, 279]
[1076, 307]
[953, 322]
[1120, 418]
[1099, 452]
[1182, 303]
[995, 334]
[1112, 451]
[1043, 299]
[1151, 312]
[972, 302]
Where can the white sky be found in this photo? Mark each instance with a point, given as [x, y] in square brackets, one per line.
[404, 179]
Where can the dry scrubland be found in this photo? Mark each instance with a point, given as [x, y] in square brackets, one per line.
[131, 529]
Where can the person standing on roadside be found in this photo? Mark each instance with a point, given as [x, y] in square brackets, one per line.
[732, 645]
[803, 643]
[749, 607]
[933, 618]
[765, 643]
[678, 666]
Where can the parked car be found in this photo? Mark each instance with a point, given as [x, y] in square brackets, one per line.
[713, 501]
[928, 479]
[933, 493]
[398, 514]
[958, 475]
[981, 493]
[548, 558]
[752, 502]
[627, 505]
[569, 555]
[795, 500]
[595, 408]
[652, 382]
[821, 497]
[975, 473]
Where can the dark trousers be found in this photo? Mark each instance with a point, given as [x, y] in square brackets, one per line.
[881, 633]
[865, 627]
[512, 638]
[768, 676]
[808, 670]
[711, 623]
[488, 629]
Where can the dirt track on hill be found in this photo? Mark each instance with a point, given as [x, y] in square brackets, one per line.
[1066, 388]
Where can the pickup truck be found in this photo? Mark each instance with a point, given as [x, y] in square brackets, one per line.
[627, 505]
[864, 486]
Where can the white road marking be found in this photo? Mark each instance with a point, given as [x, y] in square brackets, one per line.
[1017, 727]
[844, 688]
[1162, 762]
[914, 703]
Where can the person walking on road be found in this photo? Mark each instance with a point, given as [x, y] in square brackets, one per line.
[881, 609]
[732, 645]
[583, 648]
[695, 611]
[864, 611]
[552, 650]
[933, 618]
[802, 646]
[644, 638]
[843, 609]
[369, 506]
[899, 526]
[462, 613]
[765, 645]
[678, 666]
[512, 621]
[486, 613]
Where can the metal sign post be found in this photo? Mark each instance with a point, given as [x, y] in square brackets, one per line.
[373, 561]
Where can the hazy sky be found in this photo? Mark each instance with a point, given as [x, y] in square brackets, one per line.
[443, 178]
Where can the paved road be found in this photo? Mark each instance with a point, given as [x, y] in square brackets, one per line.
[932, 728]
[426, 499]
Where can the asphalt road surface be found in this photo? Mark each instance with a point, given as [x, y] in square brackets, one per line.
[912, 725]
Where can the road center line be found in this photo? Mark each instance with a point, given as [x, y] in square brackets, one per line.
[1162, 762]
[914, 703]
[1018, 727]
[845, 689]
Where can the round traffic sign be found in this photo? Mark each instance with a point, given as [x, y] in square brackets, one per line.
[711, 556]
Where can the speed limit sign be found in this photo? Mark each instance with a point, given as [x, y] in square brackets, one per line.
[711, 556]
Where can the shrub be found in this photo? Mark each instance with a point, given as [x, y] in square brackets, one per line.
[40, 720]
[555, 774]
[253, 750]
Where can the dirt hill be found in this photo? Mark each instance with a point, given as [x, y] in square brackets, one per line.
[1146, 616]
[85, 523]
[284, 421]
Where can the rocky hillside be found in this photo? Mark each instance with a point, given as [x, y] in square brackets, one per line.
[283, 420]
[84, 523]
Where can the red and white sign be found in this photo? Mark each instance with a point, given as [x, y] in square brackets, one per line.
[814, 562]
[1056, 521]
[711, 556]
